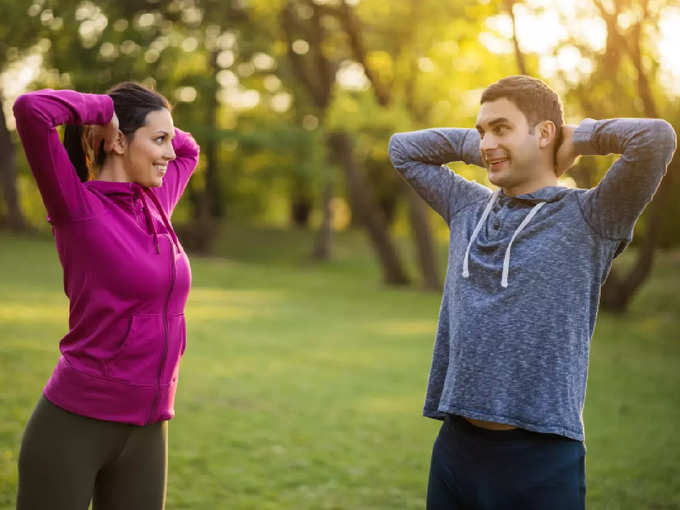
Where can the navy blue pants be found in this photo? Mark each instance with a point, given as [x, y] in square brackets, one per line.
[478, 469]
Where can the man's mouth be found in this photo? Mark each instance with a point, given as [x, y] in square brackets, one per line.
[497, 163]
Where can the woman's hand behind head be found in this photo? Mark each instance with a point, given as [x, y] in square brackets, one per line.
[104, 134]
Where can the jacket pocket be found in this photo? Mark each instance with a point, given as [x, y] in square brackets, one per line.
[138, 358]
[176, 345]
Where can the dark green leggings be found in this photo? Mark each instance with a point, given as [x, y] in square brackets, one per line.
[66, 460]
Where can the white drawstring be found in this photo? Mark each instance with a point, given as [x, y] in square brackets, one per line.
[480, 224]
[485, 215]
[506, 261]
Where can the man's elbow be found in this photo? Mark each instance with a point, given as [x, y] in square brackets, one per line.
[665, 136]
[395, 149]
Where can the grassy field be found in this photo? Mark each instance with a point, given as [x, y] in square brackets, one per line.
[302, 384]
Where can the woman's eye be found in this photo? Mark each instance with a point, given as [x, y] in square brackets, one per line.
[160, 139]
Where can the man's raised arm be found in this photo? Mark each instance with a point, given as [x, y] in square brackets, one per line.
[419, 156]
[646, 147]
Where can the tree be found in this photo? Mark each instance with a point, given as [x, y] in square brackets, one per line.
[620, 288]
[418, 216]
[317, 74]
[15, 219]
[18, 35]
[625, 76]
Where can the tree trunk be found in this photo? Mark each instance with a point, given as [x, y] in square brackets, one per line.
[317, 75]
[324, 239]
[213, 191]
[618, 290]
[420, 226]
[519, 56]
[15, 219]
[370, 215]
[427, 259]
[207, 204]
[199, 233]
[300, 204]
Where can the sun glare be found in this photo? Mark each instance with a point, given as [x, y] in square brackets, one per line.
[543, 26]
[668, 49]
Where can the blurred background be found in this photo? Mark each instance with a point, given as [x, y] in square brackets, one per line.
[317, 271]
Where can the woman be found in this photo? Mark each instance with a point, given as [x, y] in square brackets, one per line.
[99, 432]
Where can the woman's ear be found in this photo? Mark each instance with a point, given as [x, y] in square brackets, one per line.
[546, 133]
[120, 143]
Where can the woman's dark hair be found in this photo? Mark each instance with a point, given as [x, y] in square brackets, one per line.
[132, 102]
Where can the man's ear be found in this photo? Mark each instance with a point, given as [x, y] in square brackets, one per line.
[120, 143]
[547, 133]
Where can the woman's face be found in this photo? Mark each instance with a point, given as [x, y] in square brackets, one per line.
[150, 149]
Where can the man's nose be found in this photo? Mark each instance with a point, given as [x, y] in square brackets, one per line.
[487, 142]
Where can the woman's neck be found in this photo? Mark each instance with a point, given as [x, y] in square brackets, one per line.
[112, 170]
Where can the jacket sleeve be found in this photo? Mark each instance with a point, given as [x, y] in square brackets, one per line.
[37, 115]
[419, 156]
[179, 170]
[646, 147]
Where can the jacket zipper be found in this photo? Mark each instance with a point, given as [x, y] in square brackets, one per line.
[165, 333]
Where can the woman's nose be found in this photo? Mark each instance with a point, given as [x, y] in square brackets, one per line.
[170, 154]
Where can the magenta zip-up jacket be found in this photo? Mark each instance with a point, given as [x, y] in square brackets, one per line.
[125, 273]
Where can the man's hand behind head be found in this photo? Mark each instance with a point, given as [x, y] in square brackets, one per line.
[566, 153]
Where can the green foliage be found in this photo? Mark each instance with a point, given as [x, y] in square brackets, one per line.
[428, 56]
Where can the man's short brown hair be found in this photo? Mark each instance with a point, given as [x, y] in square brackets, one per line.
[534, 99]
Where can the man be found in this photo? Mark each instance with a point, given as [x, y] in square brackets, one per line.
[526, 263]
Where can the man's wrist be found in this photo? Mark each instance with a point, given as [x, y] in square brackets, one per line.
[582, 138]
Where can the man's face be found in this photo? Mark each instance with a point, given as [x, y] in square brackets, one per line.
[509, 146]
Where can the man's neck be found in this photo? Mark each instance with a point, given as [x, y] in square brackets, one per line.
[530, 187]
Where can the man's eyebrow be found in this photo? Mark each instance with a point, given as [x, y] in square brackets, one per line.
[493, 122]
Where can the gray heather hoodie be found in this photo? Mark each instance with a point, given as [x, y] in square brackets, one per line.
[524, 273]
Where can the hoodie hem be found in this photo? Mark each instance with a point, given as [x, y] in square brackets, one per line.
[107, 399]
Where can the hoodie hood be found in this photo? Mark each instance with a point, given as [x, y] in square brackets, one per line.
[110, 188]
[547, 194]
[125, 193]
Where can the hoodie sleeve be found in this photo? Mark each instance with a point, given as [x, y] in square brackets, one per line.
[37, 115]
[179, 170]
[646, 147]
[419, 156]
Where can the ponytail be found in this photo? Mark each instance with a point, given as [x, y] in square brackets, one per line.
[78, 144]
[73, 141]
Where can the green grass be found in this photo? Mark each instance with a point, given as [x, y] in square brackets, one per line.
[302, 384]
